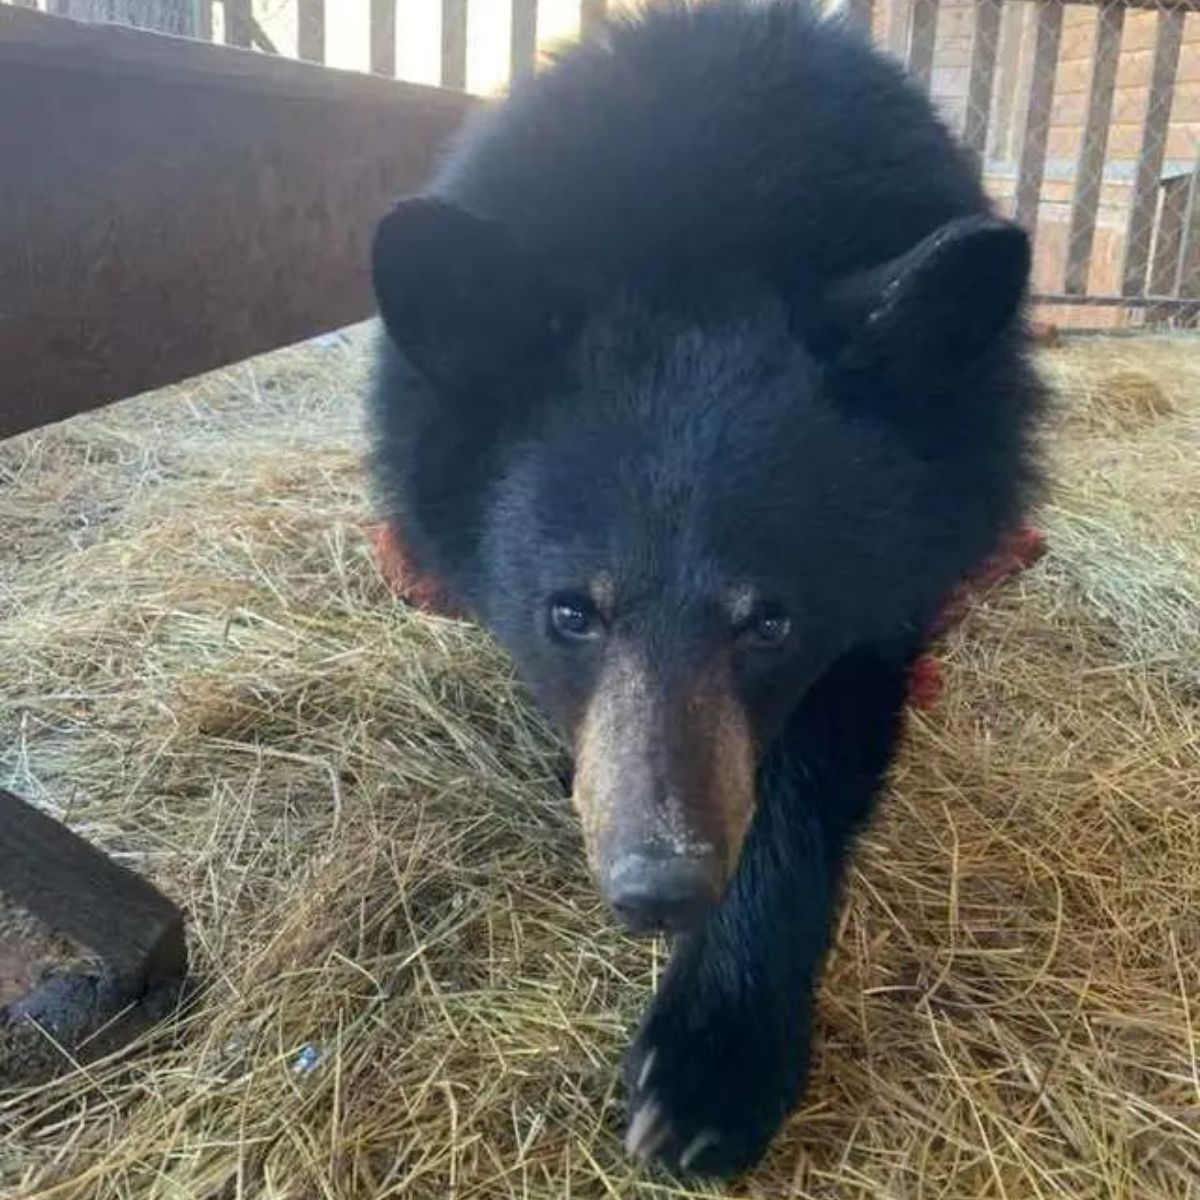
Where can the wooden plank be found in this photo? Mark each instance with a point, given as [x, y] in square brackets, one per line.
[523, 40]
[921, 40]
[1047, 34]
[591, 16]
[72, 887]
[1187, 281]
[181, 205]
[310, 30]
[1168, 235]
[985, 51]
[1167, 41]
[383, 37]
[454, 44]
[239, 23]
[1089, 173]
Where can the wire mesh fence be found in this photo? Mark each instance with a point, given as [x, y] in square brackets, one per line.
[1085, 118]
[182, 18]
[1084, 115]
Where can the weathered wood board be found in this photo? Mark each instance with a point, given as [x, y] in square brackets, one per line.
[87, 946]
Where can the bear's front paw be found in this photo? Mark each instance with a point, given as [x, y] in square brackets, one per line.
[708, 1089]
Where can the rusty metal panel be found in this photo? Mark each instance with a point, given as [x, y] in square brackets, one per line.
[169, 206]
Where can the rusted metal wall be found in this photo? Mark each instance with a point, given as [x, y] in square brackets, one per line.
[167, 207]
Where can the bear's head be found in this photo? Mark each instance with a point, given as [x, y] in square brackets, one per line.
[696, 491]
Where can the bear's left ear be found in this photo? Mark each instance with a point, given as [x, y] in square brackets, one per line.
[456, 295]
[922, 318]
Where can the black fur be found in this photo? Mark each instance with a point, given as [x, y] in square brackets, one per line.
[715, 300]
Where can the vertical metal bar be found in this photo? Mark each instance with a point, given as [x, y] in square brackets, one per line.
[985, 50]
[921, 40]
[1089, 173]
[1168, 236]
[523, 43]
[310, 30]
[1047, 34]
[203, 19]
[861, 15]
[454, 44]
[1167, 41]
[383, 37]
[1012, 84]
[897, 24]
[591, 16]
[1187, 280]
[238, 23]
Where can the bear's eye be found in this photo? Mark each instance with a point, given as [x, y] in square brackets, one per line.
[768, 629]
[574, 619]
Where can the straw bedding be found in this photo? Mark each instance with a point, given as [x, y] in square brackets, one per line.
[408, 985]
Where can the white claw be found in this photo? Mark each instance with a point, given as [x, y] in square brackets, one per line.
[696, 1146]
[647, 1132]
[647, 1067]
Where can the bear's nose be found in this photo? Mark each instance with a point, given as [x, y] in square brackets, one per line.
[663, 893]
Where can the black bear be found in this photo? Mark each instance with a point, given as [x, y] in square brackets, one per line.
[705, 379]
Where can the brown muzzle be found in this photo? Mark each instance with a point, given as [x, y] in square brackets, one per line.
[664, 784]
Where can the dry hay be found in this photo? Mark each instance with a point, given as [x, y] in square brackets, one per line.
[410, 986]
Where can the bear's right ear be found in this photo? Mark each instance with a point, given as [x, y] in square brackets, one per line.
[456, 296]
[921, 319]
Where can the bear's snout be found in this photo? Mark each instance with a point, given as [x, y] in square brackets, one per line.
[664, 784]
[663, 893]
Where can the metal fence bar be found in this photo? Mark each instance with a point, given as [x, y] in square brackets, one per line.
[985, 49]
[897, 22]
[1155, 5]
[1187, 281]
[1089, 175]
[454, 44]
[1168, 235]
[383, 37]
[523, 38]
[1164, 303]
[591, 16]
[239, 23]
[1047, 34]
[204, 19]
[1167, 42]
[310, 30]
[922, 37]
[861, 15]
